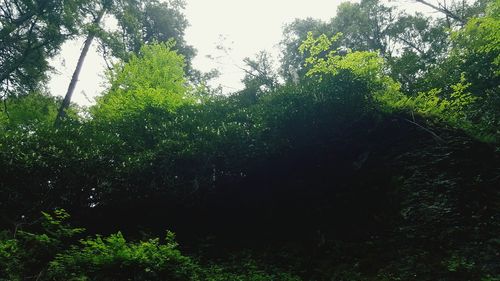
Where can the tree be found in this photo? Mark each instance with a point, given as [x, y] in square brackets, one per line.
[153, 77]
[145, 22]
[260, 77]
[423, 43]
[292, 61]
[88, 42]
[37, 109]
[475, 59]
[411, 44]
[366, 26]
[31, 32]
[365, 65]
[140, 22]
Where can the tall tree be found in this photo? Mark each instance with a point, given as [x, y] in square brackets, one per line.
[154, 77]
[260, 76]
[411, 44]
[71, 88]
[292, 61]
[366, 26]
[30, 33]
[139, 22]
[422, 43]
[144, 22]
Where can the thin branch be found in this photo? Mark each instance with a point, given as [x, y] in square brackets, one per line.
[425, 129]
[39, 275]
[7, 14]
[443, 10]
[407, 42]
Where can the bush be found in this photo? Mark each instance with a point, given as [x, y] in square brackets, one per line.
[51, 253]
[113, 258]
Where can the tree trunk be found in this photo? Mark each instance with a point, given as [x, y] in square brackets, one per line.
[61, 114]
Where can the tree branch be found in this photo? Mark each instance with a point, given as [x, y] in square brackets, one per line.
[407, 42]
[443, 10]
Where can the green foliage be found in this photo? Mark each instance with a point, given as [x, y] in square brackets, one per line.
[425, 42]
[24, 255]
[154, 78]
[246, 270]
[31, 32]
[432, 103]
[259, 78]
[481, 36]
[33, 110]
[292, 62]
[366, 25]
[473, 58]
[52, 254]
[456, 263]
[458, 107]
[410, 44]
[145, 22]
[475, 54]
[366, 66]
[50, 156]
[113, 258]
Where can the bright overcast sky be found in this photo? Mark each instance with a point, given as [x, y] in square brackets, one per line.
[247, 26]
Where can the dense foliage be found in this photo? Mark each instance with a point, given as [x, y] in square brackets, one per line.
[377, 158]
[31, 32]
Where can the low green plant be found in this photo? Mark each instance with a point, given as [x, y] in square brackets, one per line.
[114, 258]
[24, 255]
[51, 252]
[457, 263]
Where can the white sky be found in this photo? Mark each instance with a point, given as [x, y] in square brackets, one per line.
[248, 27]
